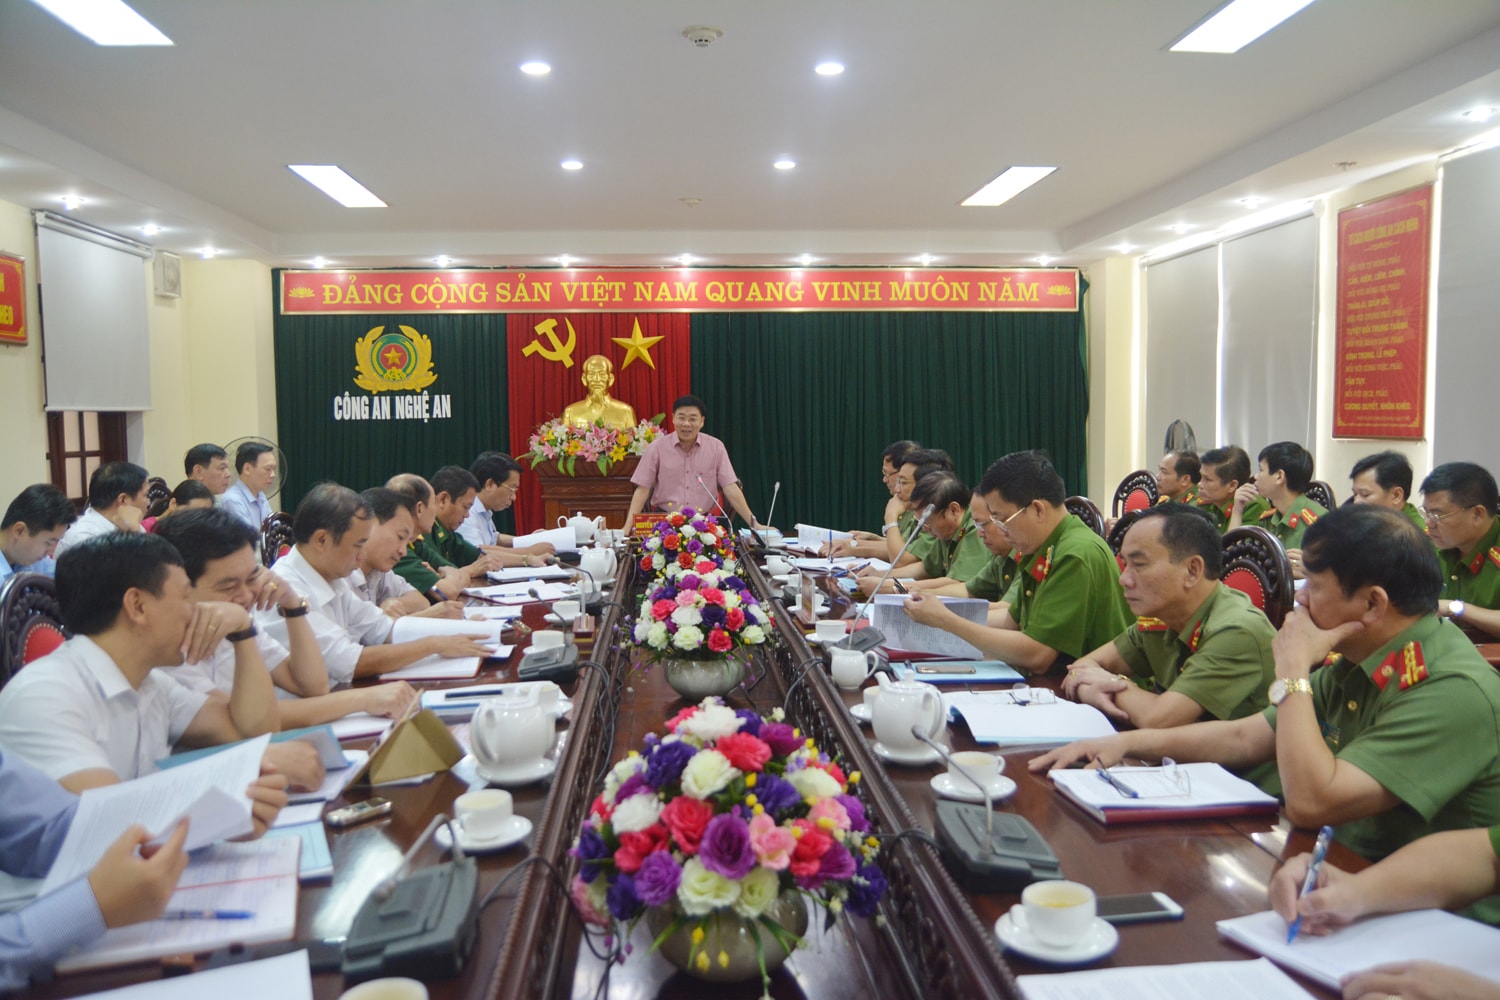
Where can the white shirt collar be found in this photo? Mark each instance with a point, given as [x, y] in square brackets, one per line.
[101, 666]
[315, 588]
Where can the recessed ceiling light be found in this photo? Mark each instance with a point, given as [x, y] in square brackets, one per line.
[1480, 114]
[1005, 187]
[566, 260]
[535, 68]
[1253, 201]
[1181, 227]
[151, 229]
[1237, 24]
[784, 164]
[319, 262]
[926, 259]
[71, 201]
[685, 259]
[105, 22]
[829, 68]
[806, 259]
[571, 164]
[1124, 248]
[336, 184]
[1044, 260]
[442, 260]
[207, 253]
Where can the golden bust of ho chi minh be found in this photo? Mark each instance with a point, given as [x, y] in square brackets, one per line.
[598, 376]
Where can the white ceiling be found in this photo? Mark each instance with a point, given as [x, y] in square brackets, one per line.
[423, 102]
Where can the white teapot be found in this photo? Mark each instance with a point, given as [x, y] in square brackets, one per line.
[583, 528]
[599, 563]
[902, 705]
[510, 735]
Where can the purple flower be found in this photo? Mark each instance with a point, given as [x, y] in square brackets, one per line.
[837, 864]
[865, 891]
[735, 583]
[689, 582]
[695, 546]
[725, 847]
[657, 881]
[631, 786]
[621, 898]
[665, 763]
[590, 849]
[713, 615]
[856, 811]
[781, 737]
[777, 795]
[752, 721]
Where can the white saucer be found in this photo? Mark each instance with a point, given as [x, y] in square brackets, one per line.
[517, 829]
[949, 788]
[861, 713]
[522, 774]
[926, 755]
[1100, 939]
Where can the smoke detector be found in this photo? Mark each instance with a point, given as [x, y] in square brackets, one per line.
[702, 35]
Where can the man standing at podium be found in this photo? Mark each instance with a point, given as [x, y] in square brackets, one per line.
[687, 469]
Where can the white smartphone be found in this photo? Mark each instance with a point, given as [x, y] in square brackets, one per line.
[1138, 908]
[359, 812]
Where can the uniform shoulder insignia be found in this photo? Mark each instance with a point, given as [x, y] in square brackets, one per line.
[1195, 638]
[1150, 625]
[1406, 664]
[1308, 516]
[1495, 555]
[1042, 566]
[1269, 512]
[1162, 500]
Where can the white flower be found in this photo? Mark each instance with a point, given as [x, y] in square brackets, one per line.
[814, 783]
[687, 616]
[643, 629]
[708, 772]
[711, 721]
[658, 636]
[636, 813]
[758, 891]
[752, 635]
[756, 614]
[622, 772]
[701, 891]
[731, 599]
[689, 637]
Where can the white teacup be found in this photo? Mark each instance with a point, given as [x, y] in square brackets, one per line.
[387, 989]
[567, 611]
[484, 813]
[849, 667]
[776, 566]
[546, 638]
[831, 630]
[871, 693]
[1055, 912]
[547, 696]
[985, 767]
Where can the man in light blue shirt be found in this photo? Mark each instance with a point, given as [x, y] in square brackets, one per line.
[33, 524]
[246, 499]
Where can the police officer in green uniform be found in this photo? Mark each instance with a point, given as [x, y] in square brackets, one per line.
[1204, 649]
[1396, 737]
[1222, 472]
[1458, 499]
[957, 551]
[900, 519]
[422, 565]
[868, 544]
[1177, 476]
[1384, 478]
[1286, 470]
[1067, 599]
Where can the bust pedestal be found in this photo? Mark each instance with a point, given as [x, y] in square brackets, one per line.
[589, 491]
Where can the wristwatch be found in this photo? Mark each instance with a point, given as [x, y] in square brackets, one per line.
[1281, 687]
[888, 527]
[248, 632]
[297, 612]
[1456, 609]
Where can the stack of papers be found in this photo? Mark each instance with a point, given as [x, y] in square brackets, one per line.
[460, 702]
[817, 564]
[1418, 936]
[904, 637]
[285, 977]
[1199, 791]
[510, 574]
[335, 779]
[409, 628]
[1257, 980]
[442, 668]
[519, 592]
[995, 717]
[359, 725]
[561, 539]
[810, 536]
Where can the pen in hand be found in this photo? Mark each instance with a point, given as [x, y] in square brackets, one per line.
[1310, 881]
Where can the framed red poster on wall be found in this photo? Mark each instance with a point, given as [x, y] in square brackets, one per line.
[12, 299]
[1380, 364]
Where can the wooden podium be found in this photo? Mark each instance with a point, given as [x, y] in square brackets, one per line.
[589, 491]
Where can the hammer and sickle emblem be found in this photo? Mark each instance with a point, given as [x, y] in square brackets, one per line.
[559, 351]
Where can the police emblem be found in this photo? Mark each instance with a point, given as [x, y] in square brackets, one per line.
[395, 360]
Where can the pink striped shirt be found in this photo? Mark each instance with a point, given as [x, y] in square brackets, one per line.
[672, 474]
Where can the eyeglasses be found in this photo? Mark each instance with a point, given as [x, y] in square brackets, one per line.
[1005, 524]
[1434, 518]
[508, 486]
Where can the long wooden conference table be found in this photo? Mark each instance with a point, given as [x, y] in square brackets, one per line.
[931, 938]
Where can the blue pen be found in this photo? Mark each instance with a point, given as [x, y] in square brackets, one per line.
[208, 915]
[1320, 850]
[1117, 784]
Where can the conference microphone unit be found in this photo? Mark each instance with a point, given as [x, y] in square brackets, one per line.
[593, 601]
[729, 521]
[865, 639]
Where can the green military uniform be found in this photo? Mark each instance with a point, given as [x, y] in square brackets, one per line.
[1252, 513]
[995, 579]
[1475, 580]
[1221, 659]
[958, 558]
[453, 547]
[1291, 526]
[1420, 715]
[419, 564]
[1191, 496]
[906, 523]
[1415, 516]
[1068, 595]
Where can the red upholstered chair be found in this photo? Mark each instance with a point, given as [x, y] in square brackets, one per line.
[30, 621]
[1084, 509]
[1321, 492]
[158, 496]
[1116, 536]
[1136, 491]
[276, 537]
[1255, 563]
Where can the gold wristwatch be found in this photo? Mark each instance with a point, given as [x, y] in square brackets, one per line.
[1282, 687]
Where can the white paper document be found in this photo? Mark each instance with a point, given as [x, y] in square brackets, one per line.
[409, 628]
[335, 780]
[443, 668]
[818, 564]
[1418, 936]
[519, 591]
[285, 977]
[210, 792]
[258, 878]
[561, 539]
[509, 574]
[902, 634]
[317, 859]
[1197, 786]
[1255, 980]
[994, 717]
[357, 725]
[810, 536]
[492, 612]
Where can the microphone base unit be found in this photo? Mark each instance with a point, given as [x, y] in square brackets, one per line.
[1017, 854]
[558, 665]
[425, 929]
[861, 640]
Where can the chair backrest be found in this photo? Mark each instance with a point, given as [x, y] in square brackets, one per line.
[30, 621]
[1116, 536]
[1321, 492]
[1256, 564]
[1085, 510]
[276, 537]
[1136, 491]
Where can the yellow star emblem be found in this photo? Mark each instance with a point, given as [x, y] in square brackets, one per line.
[636, 346]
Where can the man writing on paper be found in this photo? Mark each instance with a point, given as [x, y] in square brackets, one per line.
[375, 578]
[1396, 737]
[668, 474]
[97, 711]
[331, 527]
[867, 543]
[1069, 599]
[32, 526]
[1205, 648]
[955, 550]
[1458, 500]
[421, 565]
[131, 884]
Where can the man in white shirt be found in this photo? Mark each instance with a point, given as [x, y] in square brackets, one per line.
[117, 502]
[499, 479]
[332, 526]
[96, 711]
[375, 579]
[209, 464]
[32, 526]
[246, 499]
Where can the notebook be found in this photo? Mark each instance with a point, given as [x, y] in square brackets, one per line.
[997, 717]
[1199, 791]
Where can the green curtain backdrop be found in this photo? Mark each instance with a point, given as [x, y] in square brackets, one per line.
[811, 399]
[315, 362]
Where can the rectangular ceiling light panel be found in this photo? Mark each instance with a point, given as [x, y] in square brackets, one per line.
[1238, 24]
[105, 22]
[338, 185]
[1005, 187]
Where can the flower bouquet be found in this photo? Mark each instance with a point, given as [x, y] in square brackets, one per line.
[560, 442]
[717, 822]
[683, 541]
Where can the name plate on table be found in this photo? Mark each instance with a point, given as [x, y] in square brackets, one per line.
[420, 744]
[644, 524]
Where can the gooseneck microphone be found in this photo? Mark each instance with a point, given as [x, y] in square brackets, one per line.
[921, 523]
[989, 801]
[593, 599]
[775, 492]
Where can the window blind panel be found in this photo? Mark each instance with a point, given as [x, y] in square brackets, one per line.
[95, 339]
[1181, 348]
[1467, 339]
[1270, 335]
